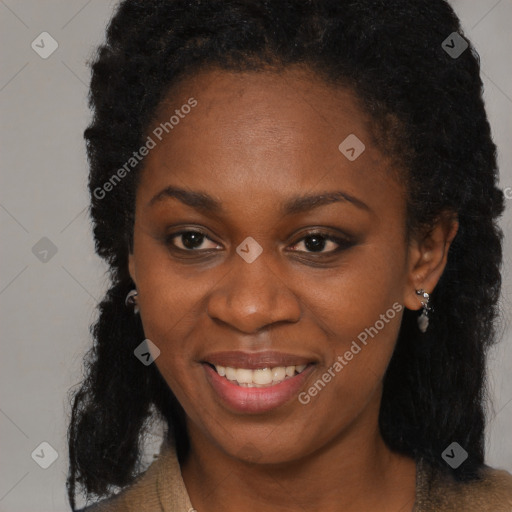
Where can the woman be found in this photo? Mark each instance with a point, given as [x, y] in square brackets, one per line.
[298, 204]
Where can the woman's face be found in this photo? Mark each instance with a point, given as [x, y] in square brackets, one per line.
[259, 244]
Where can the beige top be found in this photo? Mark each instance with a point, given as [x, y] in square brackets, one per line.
[161, 489]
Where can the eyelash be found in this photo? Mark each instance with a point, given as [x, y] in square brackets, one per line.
[343, 243]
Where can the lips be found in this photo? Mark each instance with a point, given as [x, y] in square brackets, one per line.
[256, 382]
[255, 360]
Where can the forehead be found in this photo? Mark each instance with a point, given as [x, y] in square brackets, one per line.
[283, 106]
[280, 130]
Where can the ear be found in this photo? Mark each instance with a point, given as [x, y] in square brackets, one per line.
[427, 256]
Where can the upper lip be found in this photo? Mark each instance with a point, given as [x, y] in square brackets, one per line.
[255, 360]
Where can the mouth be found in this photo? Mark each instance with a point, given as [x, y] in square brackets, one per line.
[260, 377]
[256, 382]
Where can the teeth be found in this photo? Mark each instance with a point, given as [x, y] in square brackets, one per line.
[243, 376]
[263, 376]
[230, 373]
[290, 371]
[260, 378]
[278, 373]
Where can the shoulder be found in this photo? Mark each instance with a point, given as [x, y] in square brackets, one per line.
[492, 492]
[143, 490]
[160, 487]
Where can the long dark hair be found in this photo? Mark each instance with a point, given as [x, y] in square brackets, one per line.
[428, 112]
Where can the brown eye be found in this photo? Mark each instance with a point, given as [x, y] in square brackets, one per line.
[318, 242]
[190, 241]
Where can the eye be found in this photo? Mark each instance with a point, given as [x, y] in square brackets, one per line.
[190, 240]
[313, 243]
[317, 242]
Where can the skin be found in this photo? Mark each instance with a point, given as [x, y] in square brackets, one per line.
[254, 141]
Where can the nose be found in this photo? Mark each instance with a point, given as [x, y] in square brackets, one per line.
[252, 296]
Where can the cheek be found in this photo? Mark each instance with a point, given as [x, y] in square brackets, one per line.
[169, 307]
[168, 291]
[359, 308]
[357, 295]
[170, 301]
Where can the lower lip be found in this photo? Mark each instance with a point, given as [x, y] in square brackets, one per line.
[256, 400]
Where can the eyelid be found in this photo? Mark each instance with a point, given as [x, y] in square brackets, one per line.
[171, 236]
[342, 240]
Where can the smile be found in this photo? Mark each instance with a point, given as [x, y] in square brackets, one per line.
[258, 378]
[256, 382]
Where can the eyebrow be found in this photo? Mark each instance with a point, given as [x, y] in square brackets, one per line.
[197, 200]
[204, 202]
[308, 202]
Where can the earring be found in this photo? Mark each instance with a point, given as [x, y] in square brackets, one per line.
[131, 300]
[423, 318]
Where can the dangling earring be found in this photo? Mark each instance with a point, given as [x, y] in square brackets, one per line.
[131, 300]
[423, 318]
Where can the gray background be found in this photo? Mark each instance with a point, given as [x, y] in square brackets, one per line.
[46, 306]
